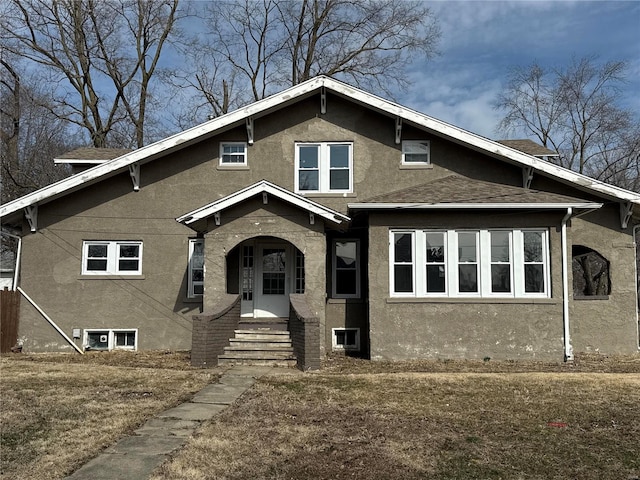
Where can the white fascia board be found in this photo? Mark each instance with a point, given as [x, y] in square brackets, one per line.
[483, 144]
[471, 206]
[260, 187]
[174, 142]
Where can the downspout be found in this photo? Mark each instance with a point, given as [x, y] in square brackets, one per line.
[48, 319]
[14, 285]
[635, 243]
[568, 349]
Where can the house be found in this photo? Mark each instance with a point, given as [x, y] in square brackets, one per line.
[349, 221]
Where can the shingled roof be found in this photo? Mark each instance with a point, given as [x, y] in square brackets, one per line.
[455, 189]
[91, 154]
[529, 147]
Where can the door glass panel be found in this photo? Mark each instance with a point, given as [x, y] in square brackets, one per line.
[273, 271]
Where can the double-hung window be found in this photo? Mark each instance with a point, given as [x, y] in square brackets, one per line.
[324, 167]
[196, 267]
[233, 154]
[346, 269]
[111, 258]
[469, 263]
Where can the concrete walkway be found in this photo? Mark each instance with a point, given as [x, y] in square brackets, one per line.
[135, 457]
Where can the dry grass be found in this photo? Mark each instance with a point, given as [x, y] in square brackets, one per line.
[58, 411]
[453, 424]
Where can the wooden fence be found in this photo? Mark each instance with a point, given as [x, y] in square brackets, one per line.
[9, 315]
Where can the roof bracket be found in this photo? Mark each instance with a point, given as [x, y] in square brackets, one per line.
[31, 213]
[249, 123]
[216, 217]
[527, 177]
[265, 198]
[134, 171]
[626, 210]
[323, 100]
[398, 130]
[312, 218]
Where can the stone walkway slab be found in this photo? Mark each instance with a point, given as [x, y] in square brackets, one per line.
[137, 456]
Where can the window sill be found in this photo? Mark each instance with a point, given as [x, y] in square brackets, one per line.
[465, 300]
[111, 277]
[423, 166]
[591, 297]
[232, 167]
[328, 194]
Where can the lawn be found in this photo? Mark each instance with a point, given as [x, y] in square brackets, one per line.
[59, 411]
[353, 419]
[435, 420]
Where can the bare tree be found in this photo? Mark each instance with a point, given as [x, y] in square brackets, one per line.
[575, 112]
[258, 47]
[29, 133]
[101, 54]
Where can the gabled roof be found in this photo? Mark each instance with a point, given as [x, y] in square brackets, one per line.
[133, 160]
[262, 187]
[529, 147]
[457, 192]
[91, 155]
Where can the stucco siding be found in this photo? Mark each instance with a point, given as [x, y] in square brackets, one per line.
[403, 328]
[607, 326]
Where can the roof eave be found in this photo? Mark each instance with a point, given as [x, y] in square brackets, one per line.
[256, 189]
[473, 206]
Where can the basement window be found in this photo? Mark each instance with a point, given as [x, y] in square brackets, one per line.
[110, 339]
[345, 339]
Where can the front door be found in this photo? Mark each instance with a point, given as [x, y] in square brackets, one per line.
[270, 296]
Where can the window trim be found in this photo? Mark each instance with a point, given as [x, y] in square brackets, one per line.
[351, 347]
[112, 258]
[324, 167]
[191, 282]
[111, 338]
[334, 268]
[483, 250]
[408, 143]
[244, 155]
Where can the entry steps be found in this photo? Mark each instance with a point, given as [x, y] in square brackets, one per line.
[259, 345]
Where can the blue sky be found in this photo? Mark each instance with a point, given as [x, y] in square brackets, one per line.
[481, 40]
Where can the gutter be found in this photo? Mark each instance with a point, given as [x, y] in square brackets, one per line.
[636, 229]
[16, 268]
[48, 319]
[568, 349]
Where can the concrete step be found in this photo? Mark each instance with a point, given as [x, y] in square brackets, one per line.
[259, 343]
[259, 348]
[288, 363]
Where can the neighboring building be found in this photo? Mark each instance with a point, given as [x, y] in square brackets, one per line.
[370, 226]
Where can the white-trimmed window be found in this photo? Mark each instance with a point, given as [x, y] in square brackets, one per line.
[196, 267]
[111, 339]
[469, 263]
[324, 167]
[345, 338]
[111, 258]
[415, 152]
[346, 268]
[233, 153]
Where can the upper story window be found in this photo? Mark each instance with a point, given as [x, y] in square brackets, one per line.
[196, 267]
[111, 258]
[415, 152]
[233, 153]
[324, 167]
[480, 263]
